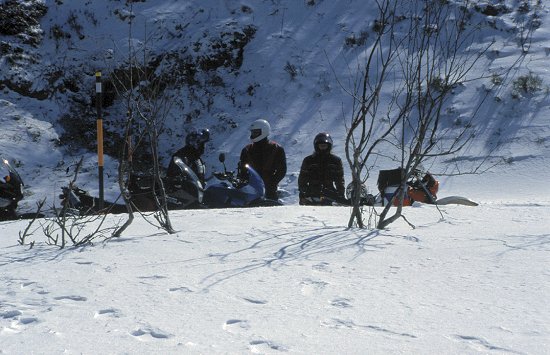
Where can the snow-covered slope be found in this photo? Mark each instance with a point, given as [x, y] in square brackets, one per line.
[296, 58]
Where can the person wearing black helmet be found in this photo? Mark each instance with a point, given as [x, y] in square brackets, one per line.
[191, 154]
[265, 156]
[321, 174]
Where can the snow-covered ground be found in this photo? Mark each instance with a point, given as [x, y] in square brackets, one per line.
[289, 279]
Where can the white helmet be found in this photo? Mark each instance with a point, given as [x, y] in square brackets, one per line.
[259, 129]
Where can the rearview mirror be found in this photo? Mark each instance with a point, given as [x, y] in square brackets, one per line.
[221, 157]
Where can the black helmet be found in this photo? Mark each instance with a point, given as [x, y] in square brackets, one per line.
[197, 138]
[322, 138]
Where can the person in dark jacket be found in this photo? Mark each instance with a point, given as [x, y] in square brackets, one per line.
[321, 174]
[266, 157]
[191, 154]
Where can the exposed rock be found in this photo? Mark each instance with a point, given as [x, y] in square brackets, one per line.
[22, 19]
[492, 10]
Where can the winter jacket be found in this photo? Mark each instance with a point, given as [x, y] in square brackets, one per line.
[192, 158]
[269, 160]
[321, 171]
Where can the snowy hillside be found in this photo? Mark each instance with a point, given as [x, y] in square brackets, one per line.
[289, 69]
[289, 279]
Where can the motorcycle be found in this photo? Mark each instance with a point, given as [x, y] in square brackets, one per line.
[11, 191]
[184, 191]
[243, 188]
[421, 187]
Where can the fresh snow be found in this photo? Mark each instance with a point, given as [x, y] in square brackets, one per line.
[290, 279]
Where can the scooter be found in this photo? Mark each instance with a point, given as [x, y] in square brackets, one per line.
[11, 191]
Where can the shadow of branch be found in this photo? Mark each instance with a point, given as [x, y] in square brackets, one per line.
[276, 248]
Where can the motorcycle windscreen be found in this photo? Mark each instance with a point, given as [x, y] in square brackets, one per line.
[255, 188]
[190, 174]
[12, 172]
[11, 179]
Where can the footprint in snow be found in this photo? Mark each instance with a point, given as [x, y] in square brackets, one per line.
[13, 329]
[108, 312]
[180, 289]
[17, 321]
[32, 286]
[71, 298]
[142, 333]
[152, 277]
[27, 320]
[263, 346]
[255, 301]
[323, 266]
[335, 323]
[310, 287]
[235, 326]
[10, 314]
[341, 302]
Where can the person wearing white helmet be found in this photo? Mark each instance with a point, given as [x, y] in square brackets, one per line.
[191, 154]
[267, 157]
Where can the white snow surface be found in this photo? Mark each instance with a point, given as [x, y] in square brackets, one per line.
[292, 279]
[288, 280]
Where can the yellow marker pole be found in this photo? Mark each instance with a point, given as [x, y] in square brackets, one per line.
[98, 100]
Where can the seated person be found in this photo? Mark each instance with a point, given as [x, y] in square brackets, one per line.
[265, 156]
[191, 154]
[321, 174]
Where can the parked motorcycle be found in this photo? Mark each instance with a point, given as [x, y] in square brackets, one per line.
[236, 189]
[421, 187]
[11, 191]
[184, 191]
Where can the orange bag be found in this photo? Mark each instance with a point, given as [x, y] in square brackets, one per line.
[418, 193]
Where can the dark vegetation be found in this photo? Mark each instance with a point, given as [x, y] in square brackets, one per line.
[176, 69]
[19, 18]
[195, 67]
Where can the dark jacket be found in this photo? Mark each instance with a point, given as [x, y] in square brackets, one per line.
[269, 160]
[190, 156]
[321, 171]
